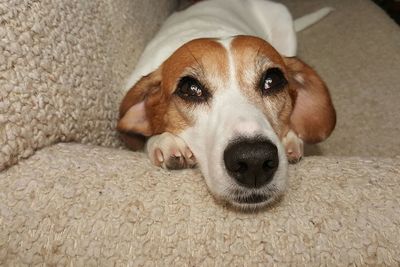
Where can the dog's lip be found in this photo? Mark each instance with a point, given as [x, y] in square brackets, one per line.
[254, 198]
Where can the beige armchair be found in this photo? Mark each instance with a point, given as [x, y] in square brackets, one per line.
[70, 194]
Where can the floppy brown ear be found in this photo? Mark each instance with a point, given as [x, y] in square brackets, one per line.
[134, 119]
[313, 117]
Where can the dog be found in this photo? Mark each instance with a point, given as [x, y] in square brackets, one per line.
[220, 86]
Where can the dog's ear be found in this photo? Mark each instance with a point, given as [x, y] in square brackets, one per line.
[313, 117]
[134, 119]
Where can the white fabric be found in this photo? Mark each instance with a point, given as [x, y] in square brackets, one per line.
[218, 19]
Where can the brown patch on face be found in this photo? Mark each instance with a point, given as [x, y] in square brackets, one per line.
[150, 107]
[203, 59]
[252, 57]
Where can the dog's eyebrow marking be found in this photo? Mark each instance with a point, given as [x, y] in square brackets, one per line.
[257, 61]
[258, 52]
[197, 61]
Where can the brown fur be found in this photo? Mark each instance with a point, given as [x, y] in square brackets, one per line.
[165, 112]
[303, 106]
[313, 117]
[306, 106]
[255, 55]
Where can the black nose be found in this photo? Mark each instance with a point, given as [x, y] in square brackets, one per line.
[251, 162]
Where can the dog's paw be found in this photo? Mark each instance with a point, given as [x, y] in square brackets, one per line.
[169, 152]
[294, 147]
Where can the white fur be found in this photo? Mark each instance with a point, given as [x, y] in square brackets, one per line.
[215, 127]
[166, 149]
[218, 19]
[294, 146]
[222, 19]
[229, 114]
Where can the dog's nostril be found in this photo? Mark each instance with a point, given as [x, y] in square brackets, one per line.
[251, 162]
[269, 164]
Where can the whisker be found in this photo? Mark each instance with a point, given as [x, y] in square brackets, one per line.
[197, 61]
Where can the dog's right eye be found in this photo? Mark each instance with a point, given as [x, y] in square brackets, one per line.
[192, 90]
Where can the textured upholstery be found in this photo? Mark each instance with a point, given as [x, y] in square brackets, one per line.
[91, 206]
[61, 65]
[356, 49]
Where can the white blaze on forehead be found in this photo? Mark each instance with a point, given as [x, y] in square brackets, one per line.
[229, 115]
[246, 122]
[232, 70]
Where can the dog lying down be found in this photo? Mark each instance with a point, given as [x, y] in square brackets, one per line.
[219, 86]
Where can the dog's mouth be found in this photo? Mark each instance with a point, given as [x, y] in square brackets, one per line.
[252, 199]
[255, 199]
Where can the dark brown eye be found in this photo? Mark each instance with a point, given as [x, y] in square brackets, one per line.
[192, 90]
[272, 81]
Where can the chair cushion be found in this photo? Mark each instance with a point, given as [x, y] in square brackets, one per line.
[73, 204]
[62, 66]
[356, 50]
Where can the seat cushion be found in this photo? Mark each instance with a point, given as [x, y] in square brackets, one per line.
[65, 63]
[85, 205]
[62, 64]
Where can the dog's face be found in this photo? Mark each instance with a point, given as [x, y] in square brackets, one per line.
[232, 101]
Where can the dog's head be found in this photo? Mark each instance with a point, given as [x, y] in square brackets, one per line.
[232, 101]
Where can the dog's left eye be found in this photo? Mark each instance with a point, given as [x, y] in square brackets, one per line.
[192, 90]
[272, 81]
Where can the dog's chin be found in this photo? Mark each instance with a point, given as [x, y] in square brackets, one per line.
[252, 202]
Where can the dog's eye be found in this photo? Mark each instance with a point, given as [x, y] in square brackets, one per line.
[272, 81]
[191, 90]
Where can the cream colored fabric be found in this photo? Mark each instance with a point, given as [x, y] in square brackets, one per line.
[62, 64]
[356, 49]
[81, 205]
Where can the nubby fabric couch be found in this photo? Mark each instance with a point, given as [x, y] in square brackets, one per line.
[72, 194]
